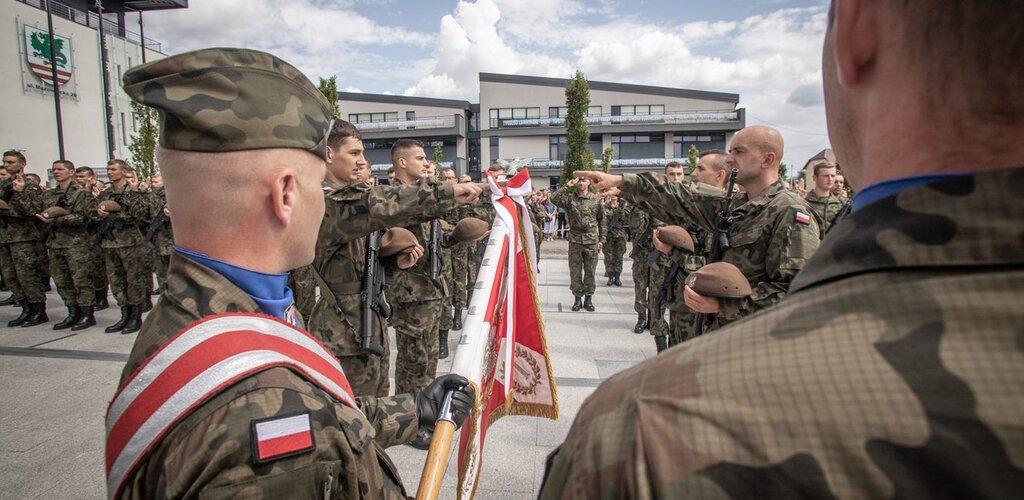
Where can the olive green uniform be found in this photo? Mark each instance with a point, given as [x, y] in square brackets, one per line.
[825, 208]
[68, 244]
[22, 263]
[615, 242]
[587, 226]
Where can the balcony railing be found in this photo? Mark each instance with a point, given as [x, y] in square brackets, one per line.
[92, 20]
[671, 117]
[425, 123]
[624, 162]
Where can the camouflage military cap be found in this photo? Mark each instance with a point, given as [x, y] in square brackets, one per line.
[55, 212]
[470, 229]
[217, 100]
[109, 206]
[396, 240]
[719, 279]
[677, 237]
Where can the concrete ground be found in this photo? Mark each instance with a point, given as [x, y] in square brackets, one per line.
[55, 387]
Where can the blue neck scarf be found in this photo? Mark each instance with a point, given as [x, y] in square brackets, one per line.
[269, 291]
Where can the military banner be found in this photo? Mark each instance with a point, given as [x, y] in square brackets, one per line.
[503, 350]
[37, 60]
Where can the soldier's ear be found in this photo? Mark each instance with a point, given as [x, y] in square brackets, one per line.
[284, 195]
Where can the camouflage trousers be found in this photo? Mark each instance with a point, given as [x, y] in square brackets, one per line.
[368, 373]
[98, 269]
[416, 325]
[303, 285]
[460, 275]
[160, 265]
[641, 279]
[680, 324]
[70, 270]
[613, 250]
[582, 266]
[448, 275]
[659, 266]
[23, 271]
[126, 271]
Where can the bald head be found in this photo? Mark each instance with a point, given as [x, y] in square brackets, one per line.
[766, 140]
[756, 152]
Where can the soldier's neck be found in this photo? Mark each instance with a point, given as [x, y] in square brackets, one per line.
[63, 186]
[120, 183]
[822, 194]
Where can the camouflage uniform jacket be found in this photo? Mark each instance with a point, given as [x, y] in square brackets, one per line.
[894, 369]
[414, 284]
[483, 209]
[72, 229]
[618, 221]
[826, 209]
[584, 213]
[209, 453]
[19, 220]
[352, 212]
[769, 242]
[163, 233]
[124, 225]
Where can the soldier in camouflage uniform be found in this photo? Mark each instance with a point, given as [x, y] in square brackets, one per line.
[825, 205]
[615, 241]
[160, 233]
[68, 244]
[86, 179]
[22, 263]
[893, 368]
[773, 233]
[641, 227]
[660, 264]
[215, 448]
[587, 227]
[302, 281]
[460, 261]
[123, 249]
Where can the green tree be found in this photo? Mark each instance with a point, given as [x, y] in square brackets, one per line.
[438, 153]
[329, 88]
[783, 170]
[578, 155]
[693, 155]
[606, 159]
[143, 145]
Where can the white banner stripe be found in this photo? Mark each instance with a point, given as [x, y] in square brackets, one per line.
[189, 395]
[201, 333]
[273, 429]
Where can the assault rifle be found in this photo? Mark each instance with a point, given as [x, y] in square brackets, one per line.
[372, 294]
[435, 251]
[159, 222]
[719, 244]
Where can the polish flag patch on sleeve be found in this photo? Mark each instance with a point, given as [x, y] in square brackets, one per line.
[280, 437]
[803, 218]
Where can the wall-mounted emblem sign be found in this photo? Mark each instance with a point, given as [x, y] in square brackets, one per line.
[38, 49]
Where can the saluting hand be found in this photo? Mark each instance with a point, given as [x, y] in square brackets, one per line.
[467, 193]
[18, 183]
[598, 180]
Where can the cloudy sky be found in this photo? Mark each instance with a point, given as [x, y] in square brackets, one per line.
[767, 51]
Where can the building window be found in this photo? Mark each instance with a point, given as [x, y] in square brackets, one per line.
[681, 143]
[561, 111]
[558, 145]
[494, 149]
[373, 117]
[499, 115]
[377, 145]
[124, 131]
[410, 115]
[639, 109]
[638, 146]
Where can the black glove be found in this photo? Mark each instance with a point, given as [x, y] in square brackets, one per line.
[430, 399]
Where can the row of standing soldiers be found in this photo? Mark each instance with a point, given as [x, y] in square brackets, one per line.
[85, 236]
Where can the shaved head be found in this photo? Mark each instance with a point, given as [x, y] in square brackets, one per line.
[765, 139]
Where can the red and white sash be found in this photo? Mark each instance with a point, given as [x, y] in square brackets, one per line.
[200, 361]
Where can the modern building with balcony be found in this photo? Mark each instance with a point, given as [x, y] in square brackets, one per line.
[523, 118]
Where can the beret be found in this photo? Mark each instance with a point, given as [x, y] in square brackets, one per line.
[719, 279]
[54, 212]
[470, 229]
[109, 206]
[677, 237]
[226, 99]
[4, 205]
[396, 240]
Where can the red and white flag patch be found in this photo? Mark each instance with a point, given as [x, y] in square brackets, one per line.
[280, 437]
[803, 218]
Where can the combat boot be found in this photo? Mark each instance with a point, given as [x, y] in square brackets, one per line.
[37, 315]
[588, 304]
[641, 323]
[457, 320]
[148, 304]
[9, 301]
[85, 319]
[611, 279]
[74, 313]
[442, 344]
[116, 327]
[576, 306]
[660, 342]
[101, 300]
[134, 322]
[618, 279]
[25, 312]
[422, 441]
